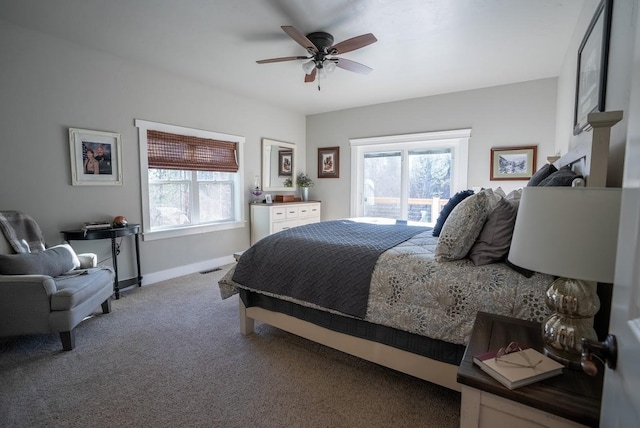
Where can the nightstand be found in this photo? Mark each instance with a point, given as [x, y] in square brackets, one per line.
[568, 400]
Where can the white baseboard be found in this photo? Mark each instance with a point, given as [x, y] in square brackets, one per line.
[151, 278]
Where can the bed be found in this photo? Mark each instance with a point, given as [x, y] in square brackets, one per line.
[411, 299]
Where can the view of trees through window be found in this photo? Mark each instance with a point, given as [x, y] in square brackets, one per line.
[189, 197]
[427, 181]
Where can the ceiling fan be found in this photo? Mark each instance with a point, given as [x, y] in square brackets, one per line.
[322, 51]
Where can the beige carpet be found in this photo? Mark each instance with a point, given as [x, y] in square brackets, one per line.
[170, 354]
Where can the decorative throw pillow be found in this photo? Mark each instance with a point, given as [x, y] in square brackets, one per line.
[541, 174]
[563, 177]
[448, 207]
[494, 240]
[514, 195]
[463, 227]
[53, 261]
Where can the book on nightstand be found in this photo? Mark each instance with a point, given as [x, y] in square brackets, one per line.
[515, 370]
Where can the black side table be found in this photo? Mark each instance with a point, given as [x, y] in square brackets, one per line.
[112, 233]
[569, 400]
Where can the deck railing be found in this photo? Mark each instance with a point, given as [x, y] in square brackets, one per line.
[424, 210]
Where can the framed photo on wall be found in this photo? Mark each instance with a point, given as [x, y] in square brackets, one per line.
[285, 163]
[96, 158]
[329, 162]
[513, 163]
[593, 57]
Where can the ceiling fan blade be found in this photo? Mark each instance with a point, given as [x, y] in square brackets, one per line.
[347, 64]
[284, 58]
[308, 78]
[353, 44]
[300, 38]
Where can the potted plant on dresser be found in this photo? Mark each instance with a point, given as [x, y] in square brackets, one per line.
[304, 182]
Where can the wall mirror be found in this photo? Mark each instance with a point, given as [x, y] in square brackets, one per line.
[278, 163]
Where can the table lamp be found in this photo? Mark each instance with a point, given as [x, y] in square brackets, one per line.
[571, 233]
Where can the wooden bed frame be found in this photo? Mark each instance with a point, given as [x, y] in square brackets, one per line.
[590, 160]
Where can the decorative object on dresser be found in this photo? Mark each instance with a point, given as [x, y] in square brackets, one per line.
[593, 58]
[96, 158]
[271, 218]
[304, 182]
[513, 163]
[570, 232]
[278, 159]
[329, 162]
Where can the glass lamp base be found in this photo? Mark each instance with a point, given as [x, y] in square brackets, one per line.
[575, 303]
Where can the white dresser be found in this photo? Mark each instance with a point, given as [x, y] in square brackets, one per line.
[271, 218]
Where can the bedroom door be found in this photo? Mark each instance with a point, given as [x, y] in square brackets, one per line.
[621, 401]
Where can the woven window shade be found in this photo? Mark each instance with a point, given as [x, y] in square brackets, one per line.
[182, 152]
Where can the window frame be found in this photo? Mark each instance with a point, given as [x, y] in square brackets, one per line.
[457, 140]
[239, 205]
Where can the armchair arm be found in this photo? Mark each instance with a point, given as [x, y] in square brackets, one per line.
[88, 260]
[25, 303]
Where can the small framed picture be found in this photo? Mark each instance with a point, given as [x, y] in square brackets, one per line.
[329, 162]
[96, 158]
[285, 163]
[513, 163]
[268, 199]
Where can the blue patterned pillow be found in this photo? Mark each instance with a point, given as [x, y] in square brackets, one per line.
[448, 207]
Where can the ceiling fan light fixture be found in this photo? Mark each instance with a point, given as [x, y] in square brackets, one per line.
[329, 66]
[308, 66]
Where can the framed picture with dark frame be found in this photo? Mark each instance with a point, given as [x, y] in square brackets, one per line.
[513, 163]
[96, 158]
[285, 162]
[593, 58]
[329, 162]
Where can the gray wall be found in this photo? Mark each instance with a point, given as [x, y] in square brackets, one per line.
[618, 83]
[518, 114]
[48, 85]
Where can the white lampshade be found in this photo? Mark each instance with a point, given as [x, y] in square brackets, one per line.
[329, 66]
[570, 232]
[308, 66]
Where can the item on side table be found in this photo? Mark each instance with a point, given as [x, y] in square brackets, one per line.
[120, 221]
[515, 366]
[96, 225]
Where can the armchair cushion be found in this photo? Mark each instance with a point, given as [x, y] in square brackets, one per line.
[53, 261]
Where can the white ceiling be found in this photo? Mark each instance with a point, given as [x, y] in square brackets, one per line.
[425, 47]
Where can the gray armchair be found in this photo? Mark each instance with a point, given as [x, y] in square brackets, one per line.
[47, 290]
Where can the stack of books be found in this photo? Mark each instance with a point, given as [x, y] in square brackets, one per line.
[96, 225]
[520, 368]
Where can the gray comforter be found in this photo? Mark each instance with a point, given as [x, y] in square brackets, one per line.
[329, 264]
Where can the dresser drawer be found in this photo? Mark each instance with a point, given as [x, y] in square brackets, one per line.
[278, 213]
[284, 225]
[292, 212]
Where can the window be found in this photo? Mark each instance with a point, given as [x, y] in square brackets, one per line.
[191, 180]
[408, 176]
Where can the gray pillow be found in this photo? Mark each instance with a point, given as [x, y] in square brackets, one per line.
[541, 174]
[494, 240]
[563, 177]
[53, 261]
